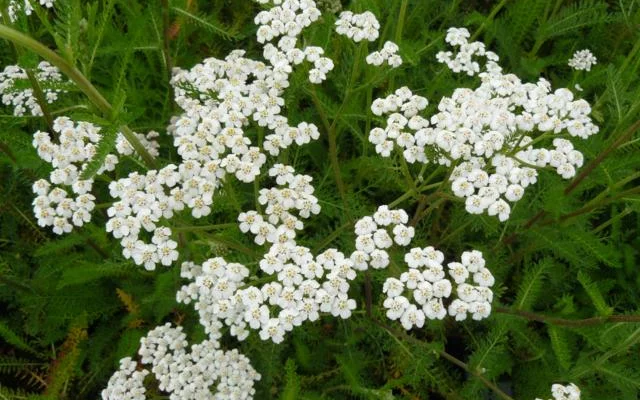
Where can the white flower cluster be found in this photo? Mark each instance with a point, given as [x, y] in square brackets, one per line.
[388, 54]
[303, 285]
[23, 100]
[358, 27]
[185, 375]
[463, 60]
[583, 60]
[218, 97]
[211, 126]
[488, 132]
[280, 226]
[568, 392]
[426, 279]
[141, 202]
[372, 237]
[16, 6]
[286, 20]
[127, 383]
[69, 158]
[402, 108]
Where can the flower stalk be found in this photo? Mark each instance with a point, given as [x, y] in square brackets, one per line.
[20, 39]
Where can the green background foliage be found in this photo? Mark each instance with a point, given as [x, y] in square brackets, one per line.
[566, 262]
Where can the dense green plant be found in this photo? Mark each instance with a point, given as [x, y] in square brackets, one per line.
[566, 302]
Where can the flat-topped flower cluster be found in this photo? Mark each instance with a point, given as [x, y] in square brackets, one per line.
[181, 373]
[23, 100]
[486, 134]
[429, 287]
[54, 205]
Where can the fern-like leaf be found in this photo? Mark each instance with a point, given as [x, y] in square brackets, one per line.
[207, 23]
[531, 285]
[576, 16]
[105, 147]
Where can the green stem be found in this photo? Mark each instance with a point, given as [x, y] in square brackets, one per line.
[398, 34]
[592, 165]
[40, 98]
[477, 374]
[407, 175]
[613, 220]
[401, 18]
[489, 18]
[80, 80]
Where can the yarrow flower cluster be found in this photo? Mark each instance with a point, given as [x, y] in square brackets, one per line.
[583, 60]
[25, 6]
[358, 27]
[181, 373]
[372, 237]
[286, 20]
[403, 108]
[429, 286]
[23, 99]
[388, 54]
[77, 146]
[305, 284]
[487, 133]
[219, 98]
[568, 392]
[481, 133]
[464, 59]
[127, 383]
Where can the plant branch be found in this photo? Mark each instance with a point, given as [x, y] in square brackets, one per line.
[80, 80]
[593, 164]
[492, 386]
[577, 180]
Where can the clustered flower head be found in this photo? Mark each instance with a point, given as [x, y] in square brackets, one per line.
[219, 99]
[184, 374]
[463, 60]
[568, 392]
[482, 133]
[402, 108]
[373, 239]
[127, 383]
[23, 99]
[304, 285]
[582, 60]
[53, 205]
[388, 54]
[428, 286]
[358, 27]
[285, 21]
[488, 133]
[26, 6]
